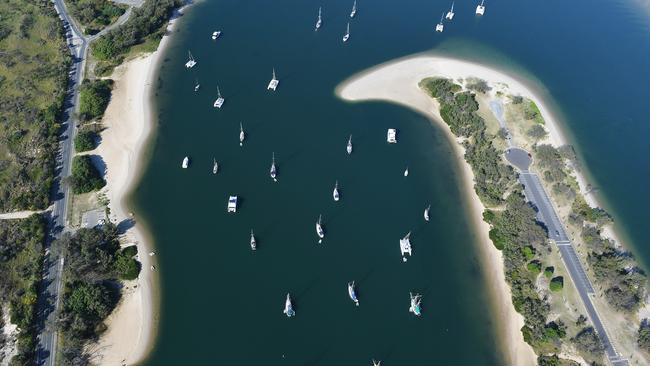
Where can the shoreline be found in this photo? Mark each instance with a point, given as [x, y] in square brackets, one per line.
[129, 125]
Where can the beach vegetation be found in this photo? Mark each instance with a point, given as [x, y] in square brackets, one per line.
[548, 272]
[517, 99]
[556, 284]
[595, 215]
[537, 132]
[85, 177]
[94, 15]
[34, 63]
[478, 85]
[531, 112]
[126, 266]
[535, 267]
[643, 335]
[85, 140]
[21, 257]
[93, 98]
[588, 342]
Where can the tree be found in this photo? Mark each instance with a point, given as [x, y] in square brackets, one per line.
[643, 335]
[85, 177]
[85, 140]
[556, 284]
[587, 341]
[93, 98]
[537, 132]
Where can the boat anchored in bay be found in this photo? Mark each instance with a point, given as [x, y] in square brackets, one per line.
[186, 162]
[348, 148]
[242, 136]
[273, 84]
[273, 172]
[450, 13]
[215, 35]
[335, 193]
[319, 229]
[353, 12]
[215, 166]
[480, 9]
[426, 213]
[347, 34]
[440, 26]
[352, 293]
[191, 62]
[219, 102]
[319, 21]
[253, 241]
[288, 307]
[405, 246]
[415, 307]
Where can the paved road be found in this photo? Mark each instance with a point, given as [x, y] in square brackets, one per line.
[546, 213]
[53, 264]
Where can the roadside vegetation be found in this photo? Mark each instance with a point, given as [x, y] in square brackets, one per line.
[34, 65]
[95, 15]
[21, 251]
[85, 177]
[92, 278]
[93, 98]
[85, 140]
[146, 24]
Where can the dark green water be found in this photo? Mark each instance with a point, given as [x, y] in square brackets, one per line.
[222, 304]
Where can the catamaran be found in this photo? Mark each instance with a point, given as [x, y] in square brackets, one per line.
[450, 13]
[215, 166]
[319, 22]
[253, 242]
[352, 293]
[347, 34]
[219, 102]
[335, 193]
[354, 9]
[391, 136]
[415, 304]
[288, 308]
[273, 171]
[190, 63]
[426, 213]
[440, 26]
[197, 85]
[480, 9]
[405, 246]
[186, 162]
[406, 172]
[376, 363]
[273, 84]
[216, 34]
[319, 229]
[241, 134]
[232, 204]
[349, 147]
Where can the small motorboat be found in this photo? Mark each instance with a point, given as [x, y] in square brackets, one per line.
[348, 148]
[406, 172]
[352, 293]
[288, 307]
[241, 135]
[273, 172]
[186, 162]
[426, 213]
[215, 166]
[335, 193]
[253, 242]
[197, 86]
[347, 34]
[216, 35]
[319, 22]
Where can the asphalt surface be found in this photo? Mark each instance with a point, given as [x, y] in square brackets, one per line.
[50, 288]
[546, 214]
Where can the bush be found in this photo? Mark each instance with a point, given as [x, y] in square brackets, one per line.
[643, 335]
[85, 177]
[126, 266]
[587, 341]
[535, 267]
[548, 272]
[93, 98]
[85, 141]
[537, 132]
[556, 284]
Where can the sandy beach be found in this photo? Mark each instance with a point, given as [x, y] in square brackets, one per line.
[397, 82]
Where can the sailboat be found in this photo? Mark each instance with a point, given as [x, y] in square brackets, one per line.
[197, 85]
[335, 193]
[319, 22]
[241, 134]
[440, 26]
[216, 35]
[190, 63]
[273, 84]
[415, 304]
[405, 246]
[273, 172]
[354, 9]
[406, 172]
[319, 229]
[352, 293]
[288, 308]
[186, 162]
[349, 147]
[450, 13]
[215, 166]
[219, 102]
[253, 242]
[480, 9]
[376, 363]
[426, 213]
[347, 34]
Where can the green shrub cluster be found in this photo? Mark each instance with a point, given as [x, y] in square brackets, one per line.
[556, 284]
[94, 15]
[643, 335]
[85, 177]
[85, 141]
[93, 98]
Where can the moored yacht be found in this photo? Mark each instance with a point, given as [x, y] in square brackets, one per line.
[273, 172]
[186, 162]
[426, 213]
[219, 102]
[405, 246]
[347, 34]
[215, 166]
[406, 172]
[335, 193]
[273, 84]
[376, 363]
[197, 86]
[353, 12]
[348, 148]
[319, 21]
[353, 293]
[288, 307]
[450, 13]
[216, 34]
[319, 229]
[415, 304]
[190, 63]
[391, 136]
[253, 242]
[241, 134]
[232, 204]
[480, 9]
[440, 26]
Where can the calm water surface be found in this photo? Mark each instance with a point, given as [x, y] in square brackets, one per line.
[222, 304]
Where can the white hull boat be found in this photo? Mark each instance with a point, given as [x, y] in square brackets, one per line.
[319, 229]
[232, 204]
[288, 307]
[215, 166]
[426, 213]
[348, 148]
[319, 22]
[406, 172]
[242, 136]
[335, 193]
[480, 9]
[352, 293]
[197, 86]
[273, 84]
[186, 162]
[190, 63]
[405, 246]
[273, 172]
[353, 12]
[219, 102]
[391, 136]
[450, 13]
[415, 304]
[253, 241]
[216, 35]
[440, 26]
[347, 34]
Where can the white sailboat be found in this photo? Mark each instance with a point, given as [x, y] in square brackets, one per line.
[319, 22]
[349, 147]
[406, 172]
[215, 166]
[216, 35]
[273, 84]
[376, 363]
[253, 242]
[219, 102]
[391, 136]
[426, 213]
[480, 9]
[352, 293]
[273, 171]
[288, 307]
[185, 163]
[347, 34]
[450, 13]
[241, 134]
[191, 62]
[415, 307]
[405, 246]
[354, 9]
[319, 229]
[440, 26]
[335, 193]
[197, 85]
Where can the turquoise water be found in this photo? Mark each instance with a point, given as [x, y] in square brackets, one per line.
[222, 304]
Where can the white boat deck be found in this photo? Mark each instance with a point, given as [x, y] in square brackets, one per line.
[232, 204]
[391, 136]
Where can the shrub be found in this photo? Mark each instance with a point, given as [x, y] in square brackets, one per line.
[557, 283]
[126, 266]
[85, 177]
[548, 271]
[93, 98]
[643, 335]
[587, 341]
[85, 141]
[537, 132]
[535, 267]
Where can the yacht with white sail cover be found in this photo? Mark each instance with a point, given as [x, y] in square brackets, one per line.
[352, 293]
[219, 102]
[319, 229]
[288, 307]
[273, 84]
[405, 246]
[186, 162]
[480, 9]
[335, 193]
[253, 241]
